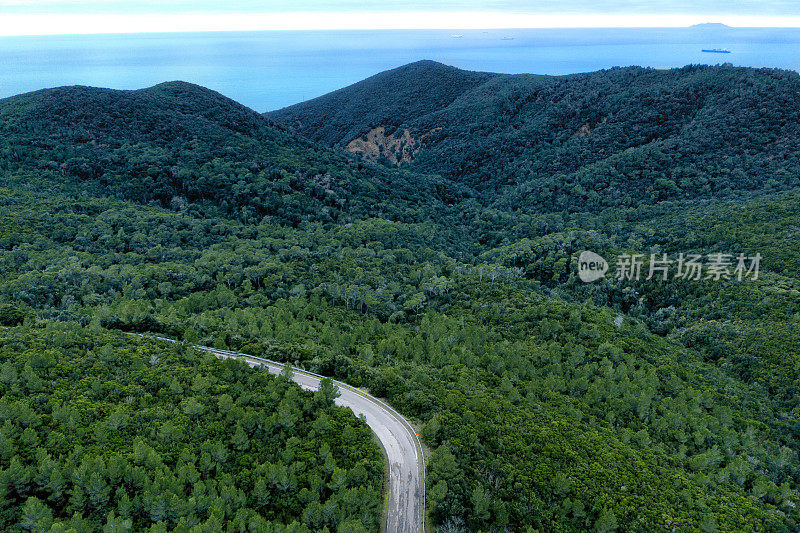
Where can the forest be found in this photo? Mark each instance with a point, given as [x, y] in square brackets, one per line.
[448, 287]
[101, 432]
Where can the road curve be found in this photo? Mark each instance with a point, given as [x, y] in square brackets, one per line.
[406, 503]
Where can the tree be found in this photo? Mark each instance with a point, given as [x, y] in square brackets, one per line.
[240, 440]
[36, 516]
[480, 505]
[327, 392]
[288, 413]
[606, 522]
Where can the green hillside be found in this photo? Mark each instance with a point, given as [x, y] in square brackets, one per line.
[391, 98]
[612, 138]
[548, 404]
[188, 148]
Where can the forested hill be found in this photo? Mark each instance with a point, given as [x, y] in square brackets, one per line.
[585, 141]
[548, 404]
[168, 112]
[389, 99]
[188, 148]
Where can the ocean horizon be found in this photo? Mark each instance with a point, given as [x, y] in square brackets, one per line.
[269, 70]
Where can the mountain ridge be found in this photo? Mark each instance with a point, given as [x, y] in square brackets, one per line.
[532, 134]
[408, 88]
[181, 144]
[101, 108]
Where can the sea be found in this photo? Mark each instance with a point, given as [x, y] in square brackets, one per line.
[272, 69]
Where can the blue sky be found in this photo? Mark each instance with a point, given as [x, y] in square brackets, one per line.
[733, 7]
[23, 17]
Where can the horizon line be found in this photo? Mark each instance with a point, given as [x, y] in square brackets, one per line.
[141, 23]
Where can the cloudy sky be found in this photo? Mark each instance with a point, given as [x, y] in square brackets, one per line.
[20, 17]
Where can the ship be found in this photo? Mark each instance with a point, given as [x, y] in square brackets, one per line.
[716, 51]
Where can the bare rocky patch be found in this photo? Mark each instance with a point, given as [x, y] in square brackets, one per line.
[399, 147]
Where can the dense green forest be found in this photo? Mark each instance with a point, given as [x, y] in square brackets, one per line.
[448, 288]
[105, 433]
[389, 98]
[585, 142]
[184, 147]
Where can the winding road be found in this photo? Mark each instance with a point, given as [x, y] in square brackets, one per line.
[406, 502]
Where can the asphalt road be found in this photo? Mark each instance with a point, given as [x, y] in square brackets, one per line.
[406, 502]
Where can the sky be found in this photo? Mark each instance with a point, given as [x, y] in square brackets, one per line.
[42, 17]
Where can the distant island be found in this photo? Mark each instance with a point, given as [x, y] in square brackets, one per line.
[710, 25]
